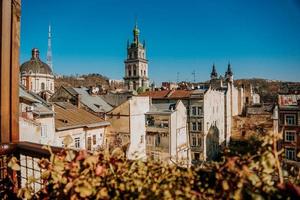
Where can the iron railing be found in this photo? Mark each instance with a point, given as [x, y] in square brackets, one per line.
[28, 155]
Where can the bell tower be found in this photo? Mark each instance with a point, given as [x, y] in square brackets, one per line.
[136, 63]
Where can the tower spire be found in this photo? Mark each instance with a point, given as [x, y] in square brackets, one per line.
[136, 33]
[229, 71]
[214, 74]
[49, 51]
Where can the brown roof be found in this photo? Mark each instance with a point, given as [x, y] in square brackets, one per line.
[171, 94]
[68, 116]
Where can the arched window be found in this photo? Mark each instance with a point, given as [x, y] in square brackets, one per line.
[134, 70]
[42, 86]
[135, 55]
[51, 86]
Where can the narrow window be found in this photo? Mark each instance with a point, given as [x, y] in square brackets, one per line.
[77, 142]
[94, 139]
[89, 143]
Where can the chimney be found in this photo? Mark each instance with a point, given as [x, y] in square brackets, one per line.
[78, 100]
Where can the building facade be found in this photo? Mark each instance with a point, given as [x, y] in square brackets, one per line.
[36, 76]
[36, 120]
[136, 64]
[83, 129]
[128, 127]
[166, 133]
[289, 125]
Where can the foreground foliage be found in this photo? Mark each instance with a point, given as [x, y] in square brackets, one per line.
[70, 175]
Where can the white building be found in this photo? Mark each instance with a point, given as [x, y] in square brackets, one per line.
[36, 119]
[85, 130]
[213, 124]
[36, 75]
[166, 133]
[128, 126]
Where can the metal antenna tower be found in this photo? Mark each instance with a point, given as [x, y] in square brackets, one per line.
[194, 76]
[49, 51]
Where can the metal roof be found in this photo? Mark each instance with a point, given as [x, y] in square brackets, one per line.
[93, 102]
[162, 108]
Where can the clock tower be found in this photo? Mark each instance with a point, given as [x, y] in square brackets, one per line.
[136, 64]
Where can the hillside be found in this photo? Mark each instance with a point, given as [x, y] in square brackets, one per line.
[268, 89]
[82, 80]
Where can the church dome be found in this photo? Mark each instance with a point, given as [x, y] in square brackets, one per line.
[35, 65]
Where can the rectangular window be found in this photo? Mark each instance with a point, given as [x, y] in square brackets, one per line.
[94, 139]
[199, 126]
[44, 131]
[199, 141]
[196, 156]
[194, 141]
[157, 141]
[89, 143]
[199, 110]
[77, 142]
[194, 126]
[290, 136]
[290, 153]
[164, 124]
[290, 119]
[194, 110]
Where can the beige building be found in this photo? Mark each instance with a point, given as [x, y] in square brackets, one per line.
[86, 130]
[166, 133]
[36, 76]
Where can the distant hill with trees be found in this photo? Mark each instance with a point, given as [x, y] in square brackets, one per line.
[268, 89]
[86, 80]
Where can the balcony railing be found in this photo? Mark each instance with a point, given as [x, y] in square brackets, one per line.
[28, 155]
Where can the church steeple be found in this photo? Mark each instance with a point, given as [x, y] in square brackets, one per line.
[229, 71]
[136, 33]
[214, 74]
[136, 64]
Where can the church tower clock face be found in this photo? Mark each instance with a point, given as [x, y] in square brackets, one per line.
[136, 64]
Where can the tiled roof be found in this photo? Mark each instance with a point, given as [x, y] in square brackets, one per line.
[181, 93]
[171, 94]
[156, 94]
[69, 116]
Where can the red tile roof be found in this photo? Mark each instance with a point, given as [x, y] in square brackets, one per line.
[169, 94]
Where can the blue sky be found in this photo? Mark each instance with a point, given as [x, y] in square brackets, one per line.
[261, 38]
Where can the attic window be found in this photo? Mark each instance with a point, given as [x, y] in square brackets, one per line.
[98, 106]
[63, 120]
